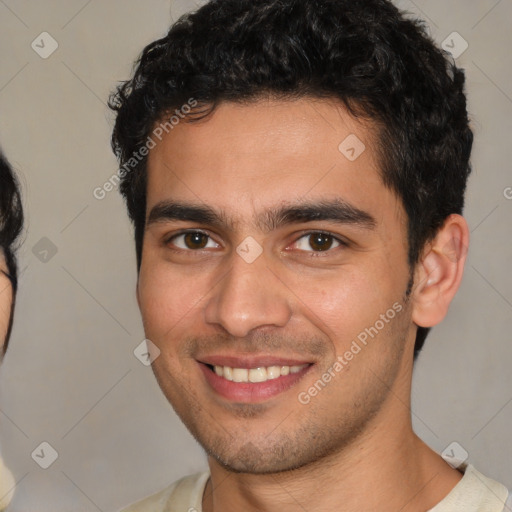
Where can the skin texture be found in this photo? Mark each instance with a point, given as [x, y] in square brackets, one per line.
[5, 301]
[354, 437]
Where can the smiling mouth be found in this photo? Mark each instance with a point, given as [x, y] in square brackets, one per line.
[255, 382]
[255, 375]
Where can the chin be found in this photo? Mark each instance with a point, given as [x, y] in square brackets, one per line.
[267, 458]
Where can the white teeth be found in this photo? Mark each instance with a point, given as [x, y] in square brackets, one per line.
[257, 375]
[273, 372]
[240, 375]
[260, 374]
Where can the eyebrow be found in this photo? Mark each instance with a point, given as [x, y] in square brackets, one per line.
[335, 210]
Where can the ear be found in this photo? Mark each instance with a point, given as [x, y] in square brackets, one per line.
[439, 272]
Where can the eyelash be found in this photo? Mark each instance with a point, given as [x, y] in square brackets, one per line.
[342, 243]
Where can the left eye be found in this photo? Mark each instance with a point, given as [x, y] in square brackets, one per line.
[317, 242]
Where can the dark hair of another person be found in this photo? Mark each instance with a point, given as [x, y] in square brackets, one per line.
[381, 64]
[11, 224]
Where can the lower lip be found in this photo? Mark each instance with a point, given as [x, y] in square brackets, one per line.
[251, 392]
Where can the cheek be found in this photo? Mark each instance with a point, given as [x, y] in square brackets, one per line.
[167, 298]
[5, 308]
[348, 302]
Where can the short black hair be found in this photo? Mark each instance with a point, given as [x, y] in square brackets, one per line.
[380, 62]
[11, 224]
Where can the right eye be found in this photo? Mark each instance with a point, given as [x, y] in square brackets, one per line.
[192, 240]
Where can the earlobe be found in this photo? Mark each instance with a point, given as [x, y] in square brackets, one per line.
[439, 272]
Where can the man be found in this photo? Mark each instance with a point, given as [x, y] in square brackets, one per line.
[295, 172]
[11, 223]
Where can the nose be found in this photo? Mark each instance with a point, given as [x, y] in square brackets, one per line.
[249, 296]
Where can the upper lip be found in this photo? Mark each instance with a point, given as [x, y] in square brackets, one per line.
[251, 361]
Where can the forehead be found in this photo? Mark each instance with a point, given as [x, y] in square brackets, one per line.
[245, 157]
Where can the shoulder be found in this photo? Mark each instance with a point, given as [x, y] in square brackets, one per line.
[7, 485]
[475, 492]
[180, 496]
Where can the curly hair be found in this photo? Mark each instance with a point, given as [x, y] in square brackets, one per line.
[379, 62]
[11, 224]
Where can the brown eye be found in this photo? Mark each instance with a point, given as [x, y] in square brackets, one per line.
[317, 242]
[320, 241]
[192, 240]
[195, 240]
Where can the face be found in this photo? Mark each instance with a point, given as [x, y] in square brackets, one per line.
[5, 301]
[273, 282]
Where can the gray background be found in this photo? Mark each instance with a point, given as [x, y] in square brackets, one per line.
[70, 377]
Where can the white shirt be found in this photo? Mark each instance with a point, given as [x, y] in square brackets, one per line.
[7, 485]
[473, 493]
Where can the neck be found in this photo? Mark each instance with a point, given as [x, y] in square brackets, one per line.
[387, 468]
